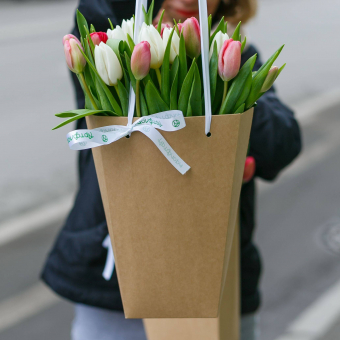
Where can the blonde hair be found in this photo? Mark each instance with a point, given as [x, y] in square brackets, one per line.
[235, 11]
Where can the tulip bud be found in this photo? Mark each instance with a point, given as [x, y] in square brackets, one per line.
[162, 28]
[107, 64]
[192, 37]
[249, 169]
[98, 37]
[74, 58]
[121, 33]
[270, 79]
[229, 59]
[220, 38]
[140, 60]
[174, 46]
[150, 34]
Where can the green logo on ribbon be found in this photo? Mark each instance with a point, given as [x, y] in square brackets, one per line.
[104, 138]
[176, 123]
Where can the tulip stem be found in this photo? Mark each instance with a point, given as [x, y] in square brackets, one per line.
[137, 98]
[159, 77]
[225, 91]
[87, 90]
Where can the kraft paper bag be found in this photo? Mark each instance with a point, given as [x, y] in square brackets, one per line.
[172, 233]
[225, 327]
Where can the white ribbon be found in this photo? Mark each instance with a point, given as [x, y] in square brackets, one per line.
[167, 121]
[110, 259]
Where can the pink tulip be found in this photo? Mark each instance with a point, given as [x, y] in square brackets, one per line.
[162, 29]
[249, 169]
[74, 58]
[140, 60]
[98, 37]
[229, 59]
[192, 37]
[180, 26]
[270, 79]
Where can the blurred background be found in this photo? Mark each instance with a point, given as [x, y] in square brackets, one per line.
[298, 215]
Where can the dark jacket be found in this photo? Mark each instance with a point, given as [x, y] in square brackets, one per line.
[74, 266]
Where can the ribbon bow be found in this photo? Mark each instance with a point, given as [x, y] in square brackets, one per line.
[167, 121]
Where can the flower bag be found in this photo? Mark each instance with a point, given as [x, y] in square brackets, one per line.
[171, 191]
[172, 234]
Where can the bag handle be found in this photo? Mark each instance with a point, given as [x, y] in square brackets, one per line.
[203, 16]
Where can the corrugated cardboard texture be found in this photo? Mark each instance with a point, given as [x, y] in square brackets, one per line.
[225, 327]
[171, 233]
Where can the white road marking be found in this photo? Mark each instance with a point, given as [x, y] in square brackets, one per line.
[34, 220]
[26, 304]
[316, 320]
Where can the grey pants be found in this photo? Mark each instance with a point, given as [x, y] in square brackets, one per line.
[92, 323]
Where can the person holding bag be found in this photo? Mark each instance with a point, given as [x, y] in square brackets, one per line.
[80, 266]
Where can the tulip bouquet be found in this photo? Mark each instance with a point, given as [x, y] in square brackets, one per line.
[163, 68]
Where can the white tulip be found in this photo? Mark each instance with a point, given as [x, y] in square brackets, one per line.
[121, 32]
[117, 33]
[174, 47]
[127, 27]
[151, 35]
[107, 64]
[220, 38]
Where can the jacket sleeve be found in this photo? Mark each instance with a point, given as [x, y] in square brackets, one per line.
[275, 138]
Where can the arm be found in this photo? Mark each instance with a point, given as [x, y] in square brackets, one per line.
[275, 138]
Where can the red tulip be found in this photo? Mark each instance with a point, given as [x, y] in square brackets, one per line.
[192, 37]
[98, 37]
[249, 169]
[141, 60]
[74, 58]
[229, 59]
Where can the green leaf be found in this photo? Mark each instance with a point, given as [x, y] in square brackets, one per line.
[236, 35]
[245, 92]
[174, 86]
[104, 100]
[108, 93]
[124, 97]
[183, 67]
[110, 23]
[82, 25]
[143, 106]
[82, 115]
[165, 86]
[148, 15]
[240, 109]
[132, 77]
[154, 100]
[220, 27]
[186, 88]
[260, 77]
[131, 44]
[213, 70]
[280, 70]
[88, 103]
[216, 104]
[69, 114]
[237, 86]
[243, 44]
[174, 69]
[92, 29]
[195, 99]
[159, 25]
[226, 27]
[209, 24]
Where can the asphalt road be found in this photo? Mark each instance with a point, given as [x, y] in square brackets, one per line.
[294, 214]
